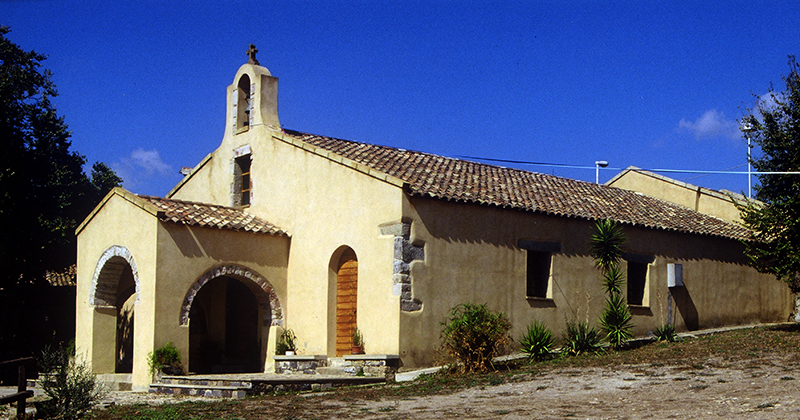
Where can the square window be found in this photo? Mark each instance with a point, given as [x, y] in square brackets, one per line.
[637, 281]
[538, 273]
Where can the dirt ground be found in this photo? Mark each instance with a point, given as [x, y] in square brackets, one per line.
[752, 389]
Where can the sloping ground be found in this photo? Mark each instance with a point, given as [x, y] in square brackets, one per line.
[743, 374]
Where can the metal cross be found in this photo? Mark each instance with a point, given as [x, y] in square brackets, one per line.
[251, 53]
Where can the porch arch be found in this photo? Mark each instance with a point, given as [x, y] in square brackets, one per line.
[103, 293]
[267, 298]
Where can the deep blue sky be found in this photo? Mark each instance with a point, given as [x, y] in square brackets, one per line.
[654, 84]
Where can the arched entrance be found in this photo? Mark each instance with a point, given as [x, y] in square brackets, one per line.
[346, 301]
[229, 311]
[115, 287]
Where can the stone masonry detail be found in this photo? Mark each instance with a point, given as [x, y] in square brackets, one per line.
[106, 276]
[404, 253]
[268, 300]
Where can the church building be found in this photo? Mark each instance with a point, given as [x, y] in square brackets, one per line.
[281, 229]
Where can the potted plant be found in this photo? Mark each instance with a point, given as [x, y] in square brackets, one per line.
[165, 360]
[286, 343]
[358, 342]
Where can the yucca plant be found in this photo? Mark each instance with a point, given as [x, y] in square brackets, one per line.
[616, 320]
[666, 333]
[606, 244]
[606, 249]
[580, 338]
[537, 341]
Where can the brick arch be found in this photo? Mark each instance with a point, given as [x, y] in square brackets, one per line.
[106, 276]
[262, 289]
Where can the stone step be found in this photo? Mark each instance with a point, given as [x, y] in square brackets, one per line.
[239, 386]
[211, 391]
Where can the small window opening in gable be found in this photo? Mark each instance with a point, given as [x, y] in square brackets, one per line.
[243, 104]
[637, 282]
[538, 274]
[243, 183]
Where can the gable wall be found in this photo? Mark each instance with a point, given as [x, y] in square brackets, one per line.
[118, 223]
[471, 255]
[696, 198]
[324, 205]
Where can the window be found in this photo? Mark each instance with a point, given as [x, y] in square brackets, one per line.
[539, 262]
[637, 280]
[538, 274]
[242, 183]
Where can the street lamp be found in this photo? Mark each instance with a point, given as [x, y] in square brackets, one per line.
[747, 128]
[597, 165]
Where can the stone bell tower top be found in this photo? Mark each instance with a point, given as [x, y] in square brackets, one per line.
[252, 98]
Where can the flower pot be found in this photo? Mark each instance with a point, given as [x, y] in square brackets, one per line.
[289, 353]
[357, 350]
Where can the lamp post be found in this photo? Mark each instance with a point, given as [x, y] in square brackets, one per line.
[597, 165]
[746, 128]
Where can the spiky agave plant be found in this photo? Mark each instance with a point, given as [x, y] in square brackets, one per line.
[616, 320]
[580, 338]
[537, 341]
[606, 244]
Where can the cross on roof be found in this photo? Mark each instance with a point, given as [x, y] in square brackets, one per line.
[251, 54]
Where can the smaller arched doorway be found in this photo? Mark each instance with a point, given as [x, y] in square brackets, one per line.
[229, 311]
[114, 294]
[346, 301]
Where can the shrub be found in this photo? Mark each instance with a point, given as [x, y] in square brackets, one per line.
[166, 355]
[286, 342]
[69, 383]
[580, 338]
[473, 335]
[666, 333]
[537, 341]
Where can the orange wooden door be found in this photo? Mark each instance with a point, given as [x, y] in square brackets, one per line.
[346, 301]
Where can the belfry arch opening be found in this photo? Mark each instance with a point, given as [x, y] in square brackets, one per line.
[243, 103]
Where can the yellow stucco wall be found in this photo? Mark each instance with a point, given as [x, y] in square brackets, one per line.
[117, 223]
[471, 255]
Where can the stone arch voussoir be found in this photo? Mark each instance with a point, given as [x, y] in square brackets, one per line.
[103, 293]
[268, 297]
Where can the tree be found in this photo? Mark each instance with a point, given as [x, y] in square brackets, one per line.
[775, 218]
[606, 249]
[44, 192]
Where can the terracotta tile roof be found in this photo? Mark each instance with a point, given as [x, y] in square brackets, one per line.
[458, 180]
[67, 277]
[209, 215]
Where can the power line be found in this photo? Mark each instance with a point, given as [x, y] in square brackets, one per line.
[681, 171]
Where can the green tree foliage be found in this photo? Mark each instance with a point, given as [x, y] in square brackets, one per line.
[474, 334]
[775, 221]
[44, 193]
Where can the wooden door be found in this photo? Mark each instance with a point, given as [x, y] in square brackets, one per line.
[346, 301]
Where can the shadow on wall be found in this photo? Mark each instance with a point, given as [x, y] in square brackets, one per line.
[685, 306]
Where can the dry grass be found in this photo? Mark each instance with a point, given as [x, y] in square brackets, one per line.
[751, 345]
